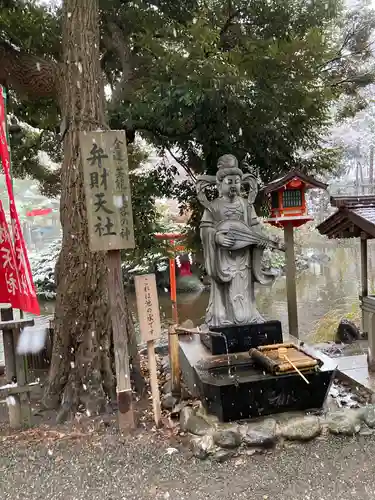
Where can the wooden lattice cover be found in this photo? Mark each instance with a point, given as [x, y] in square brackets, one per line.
[267, 357]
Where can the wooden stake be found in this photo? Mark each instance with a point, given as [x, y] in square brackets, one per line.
[24, 398]
[364, 281]
[291, 280]
[174, 357]
[154, 382]
[126, 417]
[9, 346]
[14, 401]
[364, 266]
[150, 329]
[173, 288]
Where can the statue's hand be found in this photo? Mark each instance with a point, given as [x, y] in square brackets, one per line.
[224, 239]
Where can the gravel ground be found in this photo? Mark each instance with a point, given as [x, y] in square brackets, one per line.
[105, 466]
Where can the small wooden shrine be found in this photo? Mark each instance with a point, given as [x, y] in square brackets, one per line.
[288, 209]
[287, 198]
[355, 218]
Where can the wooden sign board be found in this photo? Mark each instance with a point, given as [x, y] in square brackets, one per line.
[107, 189]
[148, 307]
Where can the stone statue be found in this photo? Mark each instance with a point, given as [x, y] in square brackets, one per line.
[233, 246]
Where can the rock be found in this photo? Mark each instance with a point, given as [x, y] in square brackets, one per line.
[161, 347]
[344, 422]
[227, 438]
[185, 394]
[208, 417]
[185, 415]
[165, 366]
[302, 429]
[260, 435]
[331, 349]
[167, 387]
[368, 416]
[168, 401]
[347, 332]
[187, 324]
[197, 425]
[176, 410]
[253, 451]
[223, 455]
[203, 446]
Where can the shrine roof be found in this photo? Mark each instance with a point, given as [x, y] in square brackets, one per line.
[354, 218]
[307, 179]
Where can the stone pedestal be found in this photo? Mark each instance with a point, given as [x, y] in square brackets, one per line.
[231, 339]
[232, 388]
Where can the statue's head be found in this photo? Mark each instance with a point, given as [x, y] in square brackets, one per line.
[228, 176]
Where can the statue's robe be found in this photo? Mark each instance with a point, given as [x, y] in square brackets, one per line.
[232, 272]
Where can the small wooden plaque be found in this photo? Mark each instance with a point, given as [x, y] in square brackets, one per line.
[148, 307]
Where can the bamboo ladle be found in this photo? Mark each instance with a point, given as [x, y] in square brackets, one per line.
[281, 351]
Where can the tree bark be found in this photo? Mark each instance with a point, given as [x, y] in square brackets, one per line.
[82, 362]
[28, 75]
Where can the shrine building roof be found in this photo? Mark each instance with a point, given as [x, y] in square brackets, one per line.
[282, 181]
[354, 217]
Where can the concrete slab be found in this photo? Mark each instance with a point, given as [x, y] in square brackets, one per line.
[351, 362]
[355, 368]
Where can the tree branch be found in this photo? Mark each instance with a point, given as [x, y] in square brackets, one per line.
[228, 22]
[27, 74]
[183, 165]
[116, 42]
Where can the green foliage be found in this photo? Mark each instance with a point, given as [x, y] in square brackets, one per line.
[199, 79]
[26, 161]
[256, 81]
[32, 26]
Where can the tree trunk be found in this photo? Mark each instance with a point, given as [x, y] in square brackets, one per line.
[82, 371]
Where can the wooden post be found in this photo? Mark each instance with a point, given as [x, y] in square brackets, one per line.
[174, 356]
[364, 267]
[150, 328]
[291, 280]
[173, 288]
[173, 346]
[24, 398]
[9, 347]
[154, 382]
[18, 396]
[13, 401]
[364, 282]
[126, 418]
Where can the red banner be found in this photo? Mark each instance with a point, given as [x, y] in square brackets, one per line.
[20, 283]
[38, 211]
